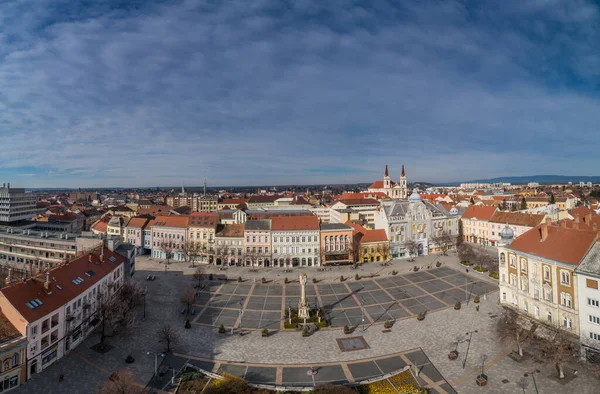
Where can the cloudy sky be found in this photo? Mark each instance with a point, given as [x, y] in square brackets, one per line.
[146, 93]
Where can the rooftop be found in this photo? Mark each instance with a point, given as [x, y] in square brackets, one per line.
[287, 223]
[479, 212]
[591, 262]
[203, 219]
[258, 225]
[67, 281]
[335, 227]
[180, 221]
[230, 230]
[517, 219]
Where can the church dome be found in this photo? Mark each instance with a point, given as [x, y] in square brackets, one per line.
[415, 196]
[507, 233]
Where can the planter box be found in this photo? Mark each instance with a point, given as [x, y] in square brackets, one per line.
[453, 355]
[481, 380]
[476, 300]
[420, 318]
[456, 308]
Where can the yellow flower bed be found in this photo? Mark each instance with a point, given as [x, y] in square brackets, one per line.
[403, 382]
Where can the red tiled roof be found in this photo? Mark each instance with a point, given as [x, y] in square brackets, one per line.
[359, 201]
[517, 219]
[172, 221]
[203, 220]
[101, 224]
[137, 222]
[230, 230]
[290, 223]
[379, 184]
[561, 244]
[155, 210]
[21, 293]
[479, 212]
[374, 236]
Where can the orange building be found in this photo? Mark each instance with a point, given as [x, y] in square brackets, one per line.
[336, 244]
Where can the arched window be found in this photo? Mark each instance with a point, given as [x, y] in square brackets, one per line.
[7, 364]
[502, 257]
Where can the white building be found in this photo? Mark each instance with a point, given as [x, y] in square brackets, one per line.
[169, 234]
[56, 312]
[295, 241]
[16, 205]
[518, 222]
[588, 280]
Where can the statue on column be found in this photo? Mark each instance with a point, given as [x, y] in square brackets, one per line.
[303, 308]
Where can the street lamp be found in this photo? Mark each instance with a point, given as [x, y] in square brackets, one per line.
[241, 314]
[533, 377]
[470, 334]
[362, 313]
[467, 288]
[155, 360]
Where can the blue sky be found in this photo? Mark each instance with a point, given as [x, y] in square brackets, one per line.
[146, 93]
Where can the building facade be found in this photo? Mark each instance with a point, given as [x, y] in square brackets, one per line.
[13, 348]
[414, 220]
[229, 240]
[536, 274]
[519, 222]
[134, 233]
[257, 243]
[202, 229]
[475, 222]
[588, 285]
[16, 205]
[296, 241]
[336, 244]
[169, 235]
[57, 311]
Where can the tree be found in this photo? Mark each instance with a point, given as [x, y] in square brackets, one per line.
[169, 335]
[411, 247]
[221, 254]
[504, 206]
[192, 251]
[444, 242]
[199, 275]
[523, 203]
[233, 384]
[112, 310]
[466, 252]
[122, 382]
[132, 296]
[187, 297]
[169, 249]
[472, 201]
[558, 350]
[460, 237]
[552, 198]
[487, 260]
[384, 250]
[356, 246]
[508, 328]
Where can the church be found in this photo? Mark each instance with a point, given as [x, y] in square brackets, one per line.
[389, 187]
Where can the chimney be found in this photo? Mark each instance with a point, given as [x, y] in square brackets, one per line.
[8, 278]
[587, 219]
[47, 282]
[544, 231]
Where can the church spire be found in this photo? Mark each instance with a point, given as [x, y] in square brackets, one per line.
[386, 170]
[403, 174]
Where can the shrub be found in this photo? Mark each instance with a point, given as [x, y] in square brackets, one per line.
[356, 277]
[495, 275]
[341, 278]
[479, 268]
[346, 328]
[438, 264]
[415, 268]
[221, 328]
[467, 263]
[239, 278]
[394, 272]
[476, 299]
[322, 324]
[263, 280]
[421, 316]
[387, 324]
[265, 332]
[210, 276]
[288, 325]
[286, 280]
[314, 280]
[457, 305]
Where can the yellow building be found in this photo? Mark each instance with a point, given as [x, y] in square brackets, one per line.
[369, 245]
[12, 356]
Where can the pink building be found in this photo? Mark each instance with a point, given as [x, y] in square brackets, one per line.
[169, 236]
[134, 233]
[257, 243]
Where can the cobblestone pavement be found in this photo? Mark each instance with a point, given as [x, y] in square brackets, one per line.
[86, 369]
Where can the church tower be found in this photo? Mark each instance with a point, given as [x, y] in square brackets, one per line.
[387, 182]
[403, 191]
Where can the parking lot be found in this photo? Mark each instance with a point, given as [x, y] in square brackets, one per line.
[381, 299]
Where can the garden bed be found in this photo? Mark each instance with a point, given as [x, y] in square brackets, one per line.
[403, 382]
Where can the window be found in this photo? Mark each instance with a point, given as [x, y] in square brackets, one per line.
[54, 321]
[523, 265]
[513, 261]
[567, 323]
[548, 294]
[502, 258]
[566, 300]
[34, 330]
[565, 278]
[594, 303]
[54, 336]
[594, 319]
[503, 296]
[45, 325]
[547, 273]
[595, 336]
[537, 312]
[15, 359]
[45, 342]
[549, 317]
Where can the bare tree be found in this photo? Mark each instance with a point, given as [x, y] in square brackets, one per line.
[411, 247]
[466, 252]
[460, 237]
[487, 260]
[112, 310]
[384, 250]
[131, 295]
[510, 329]
[169, 249]
[356, 247]
[192, 251]
[169, 335]
[222, 253]
[187, 297]
[444, 242]
[558, 350]
[199, 275]
[252, 256]
[122, 382]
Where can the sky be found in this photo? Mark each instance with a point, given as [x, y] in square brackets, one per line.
[160, 93]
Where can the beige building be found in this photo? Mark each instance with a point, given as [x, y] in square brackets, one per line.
[475, 222]
[229, 240]
[536, 273]
[202, 228]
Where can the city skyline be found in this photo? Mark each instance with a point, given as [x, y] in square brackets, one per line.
[145, 93]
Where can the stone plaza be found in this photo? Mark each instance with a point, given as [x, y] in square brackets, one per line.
[284, 357]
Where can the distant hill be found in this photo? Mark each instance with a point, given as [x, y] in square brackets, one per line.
[541, 179]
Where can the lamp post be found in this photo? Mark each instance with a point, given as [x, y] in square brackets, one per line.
[155, 360]
[470, 334]
[533, 377]
[362, 313]
[467, 288]
[241, 314]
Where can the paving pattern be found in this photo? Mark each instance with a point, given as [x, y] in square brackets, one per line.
[389, 298]
[335, 373]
